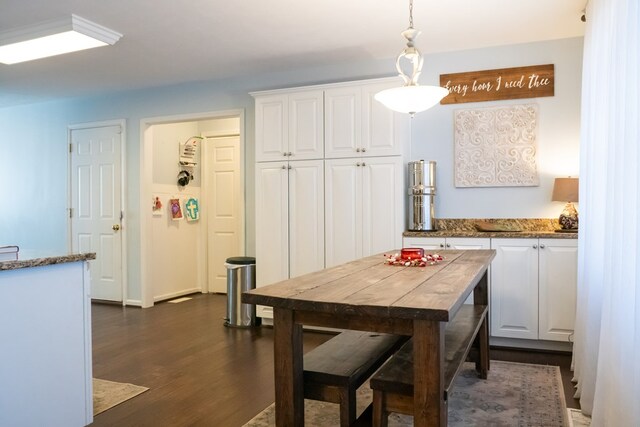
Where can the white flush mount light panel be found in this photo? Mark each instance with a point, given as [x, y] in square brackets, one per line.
[53, 38]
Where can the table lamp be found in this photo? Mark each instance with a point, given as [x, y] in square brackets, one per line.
[566, 190]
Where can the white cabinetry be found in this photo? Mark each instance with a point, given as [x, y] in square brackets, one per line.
[356, 125]
[533, 288]
[289, 220]
[289, 126]
[363, 207]
[435, 243]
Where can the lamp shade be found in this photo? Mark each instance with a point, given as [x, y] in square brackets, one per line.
[411, 99]
[565, 190]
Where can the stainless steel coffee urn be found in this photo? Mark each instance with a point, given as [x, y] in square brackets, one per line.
[422, 192]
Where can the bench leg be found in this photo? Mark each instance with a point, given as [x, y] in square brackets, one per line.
[347, 406]
[380, 414]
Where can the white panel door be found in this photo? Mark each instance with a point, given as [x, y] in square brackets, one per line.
[271, 128]
[558, 284]
[96, 206]
[343, 122]
[306, 217]
[272, 223]
[383, 130]
[224, 208]
[382, 204]
[514, 288]
[306, 125]
[343, 211]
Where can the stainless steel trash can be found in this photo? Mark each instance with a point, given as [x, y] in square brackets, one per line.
[241, 277]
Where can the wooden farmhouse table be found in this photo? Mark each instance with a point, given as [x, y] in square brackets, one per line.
[369, 295]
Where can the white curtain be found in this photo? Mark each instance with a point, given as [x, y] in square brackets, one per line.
[607, 337]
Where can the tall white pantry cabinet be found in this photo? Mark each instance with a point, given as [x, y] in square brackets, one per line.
[329, 178]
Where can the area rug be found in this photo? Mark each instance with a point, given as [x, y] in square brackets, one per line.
[578, 419]
[107, 394]
[514, 394]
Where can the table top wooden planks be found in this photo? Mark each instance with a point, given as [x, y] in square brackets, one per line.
[369, 286]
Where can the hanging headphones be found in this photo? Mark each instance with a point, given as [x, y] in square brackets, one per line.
[184, 177]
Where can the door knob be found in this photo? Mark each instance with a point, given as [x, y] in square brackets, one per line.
[115, 227]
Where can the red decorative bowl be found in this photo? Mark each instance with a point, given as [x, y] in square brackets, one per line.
[411, 253]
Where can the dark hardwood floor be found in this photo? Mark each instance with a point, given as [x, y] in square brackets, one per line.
[199, 372]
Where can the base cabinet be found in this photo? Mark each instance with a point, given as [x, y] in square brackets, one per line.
[435, 243]
[533, 288]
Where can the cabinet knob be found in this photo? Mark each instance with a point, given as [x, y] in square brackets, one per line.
[357, 150]
[448, 245]
[290, 154]
[358, 164]
[364, 150]
[284, 167]
[284, 154]
[289, 167]
[542, 246]
[364, 164]
[441, 245]
[535, 246]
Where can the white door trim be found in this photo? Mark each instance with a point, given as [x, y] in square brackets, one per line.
[146, 179]
[123, 191]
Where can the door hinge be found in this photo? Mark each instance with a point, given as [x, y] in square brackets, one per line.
[70, 147]
[70, 212]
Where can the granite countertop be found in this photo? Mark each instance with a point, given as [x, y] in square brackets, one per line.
[29, 259]
[504, 228]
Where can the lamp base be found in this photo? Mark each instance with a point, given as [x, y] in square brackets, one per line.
[569, 218]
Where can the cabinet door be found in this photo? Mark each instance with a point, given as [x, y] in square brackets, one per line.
[343, 211]
[271, 128]
[342, 122]
[306, 217]
[383, 131]
[272, 223]
[426, 243]
[382, 204]
[514, 288]
[558, 265]
[306, 125]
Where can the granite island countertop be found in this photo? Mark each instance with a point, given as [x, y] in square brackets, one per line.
[29, 259]
[509, 228]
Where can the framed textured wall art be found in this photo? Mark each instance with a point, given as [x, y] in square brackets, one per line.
[496, 147]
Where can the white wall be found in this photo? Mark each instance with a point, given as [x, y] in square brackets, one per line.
[33, 150]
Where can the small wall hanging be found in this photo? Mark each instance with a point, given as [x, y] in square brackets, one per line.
[176, 211]
[496, 147]
[184, 178]
[156, 207]
[192, 209]
[188, 151]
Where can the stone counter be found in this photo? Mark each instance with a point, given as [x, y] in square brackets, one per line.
[505, 228]
[32, 259]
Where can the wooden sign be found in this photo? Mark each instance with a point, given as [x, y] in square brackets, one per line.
[505, 83]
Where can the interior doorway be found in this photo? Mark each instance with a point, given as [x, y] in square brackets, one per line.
[179, 256]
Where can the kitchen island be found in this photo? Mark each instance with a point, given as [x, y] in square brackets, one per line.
[370, 295]
[45, 333]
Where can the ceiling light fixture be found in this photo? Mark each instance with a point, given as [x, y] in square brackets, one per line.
[53, 38]
[411, 98]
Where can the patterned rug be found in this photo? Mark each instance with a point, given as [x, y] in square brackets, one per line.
[107, 394]
[515, 394]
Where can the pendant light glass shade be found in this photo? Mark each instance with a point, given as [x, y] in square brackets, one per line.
[411, 98]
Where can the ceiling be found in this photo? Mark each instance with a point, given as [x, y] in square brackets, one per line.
[173, 41]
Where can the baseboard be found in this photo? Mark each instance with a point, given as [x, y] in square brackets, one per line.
[176, 294]
[515, 343]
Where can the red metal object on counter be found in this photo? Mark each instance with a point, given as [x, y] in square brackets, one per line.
[411, 253]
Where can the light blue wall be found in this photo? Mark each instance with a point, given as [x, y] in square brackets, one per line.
[33, 150]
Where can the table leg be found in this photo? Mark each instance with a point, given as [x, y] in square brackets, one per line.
[429, 406]
[481, 296]
[287, 355]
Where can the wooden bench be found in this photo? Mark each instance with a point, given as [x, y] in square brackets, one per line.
[393, 384]
[334, 370]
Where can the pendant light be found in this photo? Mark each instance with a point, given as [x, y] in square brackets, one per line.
[411, 98]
